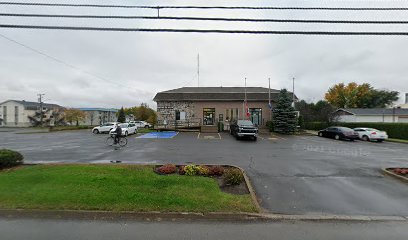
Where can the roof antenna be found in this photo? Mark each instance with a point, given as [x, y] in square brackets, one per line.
[198, 69]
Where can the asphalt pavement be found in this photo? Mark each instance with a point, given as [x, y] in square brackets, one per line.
[291, 174]
[17, 229]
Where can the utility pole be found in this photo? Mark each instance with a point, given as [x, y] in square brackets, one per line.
[40, 95]
[293, 93]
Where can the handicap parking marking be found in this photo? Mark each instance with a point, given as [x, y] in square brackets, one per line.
[159, 135]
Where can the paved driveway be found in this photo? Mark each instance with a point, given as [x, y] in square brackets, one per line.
[292, 175]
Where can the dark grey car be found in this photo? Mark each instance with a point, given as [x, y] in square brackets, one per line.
[244, 128]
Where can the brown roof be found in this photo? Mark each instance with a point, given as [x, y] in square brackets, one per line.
[217, 94]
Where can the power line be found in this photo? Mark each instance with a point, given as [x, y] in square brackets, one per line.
[172, 30]
[205, 18]
[206, 7]
[61, 61]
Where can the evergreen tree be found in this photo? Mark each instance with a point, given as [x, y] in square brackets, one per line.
[121, 116]
[284, 115]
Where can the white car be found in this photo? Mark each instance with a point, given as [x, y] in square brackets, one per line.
[142, 124]
[371, 134]
[127, 128]
[104, 128]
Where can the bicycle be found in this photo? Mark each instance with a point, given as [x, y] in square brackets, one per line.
[111, 140]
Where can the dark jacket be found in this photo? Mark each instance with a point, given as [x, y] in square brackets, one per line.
[118, 130]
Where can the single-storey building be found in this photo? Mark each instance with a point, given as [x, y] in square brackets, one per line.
[206, 106]
[16, 113]
[390, 115]
[98, 116]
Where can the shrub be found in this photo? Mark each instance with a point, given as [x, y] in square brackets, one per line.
[400, 171]
[203, 170]
[9, 158]
[233, 176]
[215, 170]
[182, 171]
[191, 170]
[269, 125]
[167, 169]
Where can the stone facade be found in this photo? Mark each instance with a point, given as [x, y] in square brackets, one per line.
[166, 110]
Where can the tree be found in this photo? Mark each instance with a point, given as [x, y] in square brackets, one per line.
[359, 96]
[284, 115]
[142, 113]
[316, 112]
[121, 116]
[74, 115]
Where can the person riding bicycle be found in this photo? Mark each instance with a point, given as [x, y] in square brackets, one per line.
[118, 133]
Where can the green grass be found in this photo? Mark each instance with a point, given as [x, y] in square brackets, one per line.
[114, 188]
[145, 130]
[397, 140]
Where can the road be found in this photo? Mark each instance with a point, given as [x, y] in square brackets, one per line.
[13, 229]
[292, 175]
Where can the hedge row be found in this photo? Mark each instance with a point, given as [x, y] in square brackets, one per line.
[394, 130]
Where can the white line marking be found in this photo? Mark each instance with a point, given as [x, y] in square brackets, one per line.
[198, 136]
[219, 135]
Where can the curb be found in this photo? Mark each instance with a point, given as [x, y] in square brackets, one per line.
[251, 190]
[160, 216]
[401, 178]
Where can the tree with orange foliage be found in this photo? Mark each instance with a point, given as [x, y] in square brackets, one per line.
[354, 95]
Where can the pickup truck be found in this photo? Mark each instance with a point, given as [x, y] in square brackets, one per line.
[243, 128]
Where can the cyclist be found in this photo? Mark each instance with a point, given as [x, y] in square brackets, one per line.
[118, 133]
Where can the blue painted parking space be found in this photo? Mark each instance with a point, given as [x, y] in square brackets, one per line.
[159, 135]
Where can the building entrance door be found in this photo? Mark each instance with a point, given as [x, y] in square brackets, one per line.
[209, 116]
[256, 115]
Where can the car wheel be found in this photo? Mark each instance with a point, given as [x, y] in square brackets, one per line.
[365, 138]
[320, 134]
[337, 137]
[126, 133]
[146, 127]
[95, 131]
[255, 138]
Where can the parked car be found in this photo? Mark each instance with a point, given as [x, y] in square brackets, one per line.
[243, 128]
[142, 124]
[127, 128]
[104, 128]
[371, 134]
[339, 133]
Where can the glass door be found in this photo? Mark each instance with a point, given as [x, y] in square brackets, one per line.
[256, 115]
[209, 116]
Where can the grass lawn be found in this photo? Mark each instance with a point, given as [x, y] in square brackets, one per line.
[116, 188]
[145, 130]
[397, 140]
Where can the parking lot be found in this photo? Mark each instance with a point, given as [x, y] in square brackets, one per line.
[291, 174]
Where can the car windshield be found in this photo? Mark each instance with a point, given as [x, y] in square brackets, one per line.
[124, 125]
[245, 123]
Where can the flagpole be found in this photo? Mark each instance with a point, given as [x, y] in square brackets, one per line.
[244, 103]
[270, 103]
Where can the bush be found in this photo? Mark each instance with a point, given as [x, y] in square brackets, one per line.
[233, 176]
[269, 125]
[203, 170]
[167, 169]
[215, 170]
[191, 170]
[394, 130]
[9, 158]
[182, 171]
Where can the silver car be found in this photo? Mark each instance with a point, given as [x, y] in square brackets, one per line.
[371, 134]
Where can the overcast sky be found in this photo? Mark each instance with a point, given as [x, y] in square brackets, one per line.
[133, 67]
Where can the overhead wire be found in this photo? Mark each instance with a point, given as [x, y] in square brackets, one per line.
[175, 30]
[204, 18]
[62, 62]
[205, 7]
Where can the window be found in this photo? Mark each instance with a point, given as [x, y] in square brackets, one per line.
[177, 115]
[220, 117]
[227, 115]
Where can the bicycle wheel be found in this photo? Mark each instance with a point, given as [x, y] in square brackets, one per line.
[110, 141]
[122, 142]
